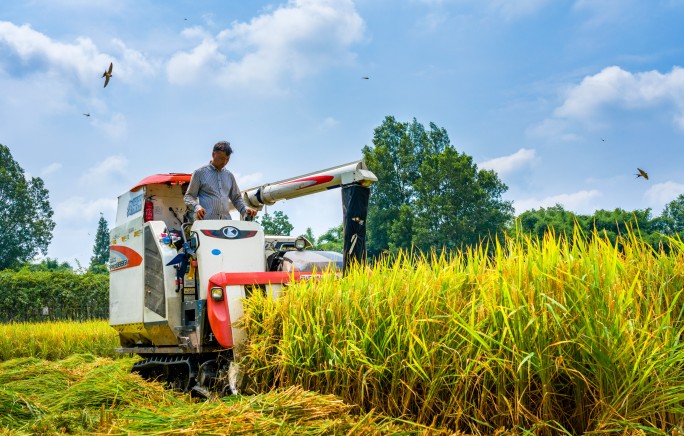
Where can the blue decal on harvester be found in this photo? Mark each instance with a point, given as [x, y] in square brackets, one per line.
[215, 251]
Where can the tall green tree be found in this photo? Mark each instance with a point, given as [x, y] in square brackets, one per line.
[276, 224]
[395, 158]
[458, 205]
[100, 259]
[26, 223]
[671, 222]
[428, 195]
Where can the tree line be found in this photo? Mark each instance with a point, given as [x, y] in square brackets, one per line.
[428, 197]
[431, 197]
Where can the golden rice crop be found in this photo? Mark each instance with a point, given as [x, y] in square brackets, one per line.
[57, 340]
[84, 394]
[552, 336]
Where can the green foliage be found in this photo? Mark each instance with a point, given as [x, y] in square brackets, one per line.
[671, 221]
[607, 223]
[100, 259]
[332, 240]
[47, 264]
[553, 219]
[25, 214]
[25, 295]
[276, 224]
[311, 238]
[429, 196]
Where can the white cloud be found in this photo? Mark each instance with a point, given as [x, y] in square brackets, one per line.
[249, 181]
[111, 165]
[431, 2]
[616, 87]
[292, 41]
[553, 128]
[329, 122]
[603, 11]
[514, 9]
[579, 202]
[188, 67]
[115, 128]
[506, 8]
[662, 193]
[507, 164]
[432, 21]
[80, 58]
[52, 168]
[74, 212]
[133, 63]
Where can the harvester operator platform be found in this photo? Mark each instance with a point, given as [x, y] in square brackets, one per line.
[213, 187]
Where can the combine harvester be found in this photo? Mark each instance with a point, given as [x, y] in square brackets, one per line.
[176, 287]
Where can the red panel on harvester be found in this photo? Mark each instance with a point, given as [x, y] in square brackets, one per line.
[219, 320]
[160, 179]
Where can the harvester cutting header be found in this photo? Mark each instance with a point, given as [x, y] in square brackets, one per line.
[176, 286]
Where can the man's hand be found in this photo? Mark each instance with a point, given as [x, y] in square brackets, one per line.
[250, 213]
[200, 212]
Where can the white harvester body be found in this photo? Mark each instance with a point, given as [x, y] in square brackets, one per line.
[177, 286]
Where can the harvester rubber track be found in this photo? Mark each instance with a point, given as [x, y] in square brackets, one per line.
[178, 372]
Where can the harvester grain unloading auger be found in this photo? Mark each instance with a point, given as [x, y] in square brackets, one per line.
[176, 287]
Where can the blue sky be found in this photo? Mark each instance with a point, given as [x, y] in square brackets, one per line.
[563, 98]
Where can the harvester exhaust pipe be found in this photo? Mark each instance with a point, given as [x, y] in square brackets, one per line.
[355, 209]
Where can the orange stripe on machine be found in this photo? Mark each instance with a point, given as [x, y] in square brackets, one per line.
[121, 257]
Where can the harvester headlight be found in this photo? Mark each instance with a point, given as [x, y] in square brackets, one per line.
[300, 243]
[216, 293]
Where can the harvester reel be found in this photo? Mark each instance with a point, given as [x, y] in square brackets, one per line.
[206, 375]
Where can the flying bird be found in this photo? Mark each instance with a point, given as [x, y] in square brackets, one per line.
[87, 115]
[641, 173]
[365, 77]
[108, 74]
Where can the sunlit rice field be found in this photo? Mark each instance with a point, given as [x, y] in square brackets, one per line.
[84, 394]
[553, 336]
[57, 340]
[550, 336]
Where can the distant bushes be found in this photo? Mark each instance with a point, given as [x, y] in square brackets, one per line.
[53, 295]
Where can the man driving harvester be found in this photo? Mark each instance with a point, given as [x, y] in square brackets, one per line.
[213, 187]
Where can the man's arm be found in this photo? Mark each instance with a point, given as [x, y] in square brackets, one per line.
[192, 192]
[236, 198]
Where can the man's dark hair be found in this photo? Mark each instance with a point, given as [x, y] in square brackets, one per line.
[223, 146]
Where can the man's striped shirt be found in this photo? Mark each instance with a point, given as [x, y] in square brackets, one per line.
[212, 189]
